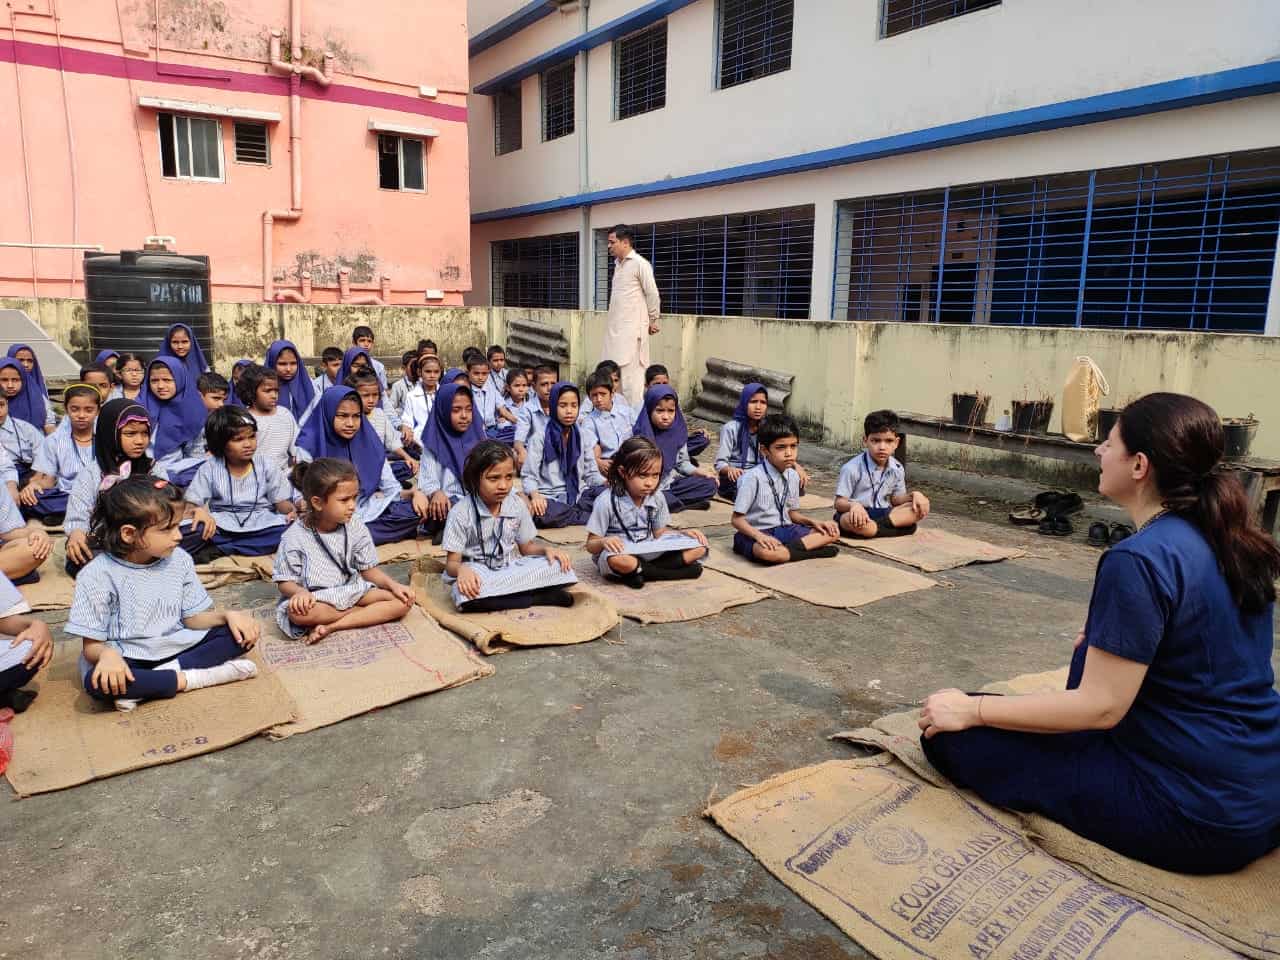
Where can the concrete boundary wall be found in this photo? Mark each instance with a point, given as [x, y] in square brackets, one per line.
[843, 369]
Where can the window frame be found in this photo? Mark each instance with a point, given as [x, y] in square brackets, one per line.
[266, 140]
[720, 50]
[618, 45]
[400, 142]
[216, 122]
[557, 249]
[882, 20]
[514, 92]
[571, 66]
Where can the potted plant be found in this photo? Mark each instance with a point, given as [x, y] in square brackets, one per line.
[1032, 416]
[969, 409]
[1239, 433]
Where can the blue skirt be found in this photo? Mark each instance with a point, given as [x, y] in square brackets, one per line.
[687, 490]
[229, 543]
[50, 504]
[398, 522]
[503, 433]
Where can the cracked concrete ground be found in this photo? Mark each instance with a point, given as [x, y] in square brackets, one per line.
[550, 811]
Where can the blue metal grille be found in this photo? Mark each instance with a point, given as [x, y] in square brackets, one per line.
[1183, 245]
[557, 101]
[640, 71]
[507, 123]
[755, 39]
[535, 272]
[739, 265]
[901, 16]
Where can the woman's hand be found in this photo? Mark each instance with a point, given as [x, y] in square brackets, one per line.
[440, 505]
[300, 603]
[468, 582]
[41, 644]
[537, 504]
[243, 627]
[948, 711]
[112, 674]
[78, 548]
[560, 557]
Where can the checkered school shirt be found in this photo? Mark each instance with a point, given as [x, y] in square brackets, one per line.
[765, 497]
[530, 419]
[609, 428]
[138, 609]
[727, 454]
[493, 541]
[20, 439]
[277, 435]
[637, 523]
[60, 456]
[323, 561]
[84, 494]
[240, 504]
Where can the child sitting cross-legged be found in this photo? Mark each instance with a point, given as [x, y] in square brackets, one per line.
[605, 426]
[685, 485]
[365, 383]
[149, 628]
[770, 528]
[61, 457]
[657, 375]
[630, 519]
[558, 476]
[327, 565]
[871, 493]
[494, 561]
[26, 645]
[247, 497]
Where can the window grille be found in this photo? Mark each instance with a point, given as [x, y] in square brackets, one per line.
[739, 265]
[557, 101]
[755, 39]
[535, 272]
[507, 124]
[902, 16]
[190, 147]
[252, 143]
[640, 72]
[400, 164]
[1183, 245]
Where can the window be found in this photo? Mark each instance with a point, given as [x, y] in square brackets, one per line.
[901, 16]
[740, 265]
[400, 164]
[252, 143]
[640, 72]
[506, 120]
[1182, 245]
[557, 101]
[190, 147]
[755, 39]
[535, 272]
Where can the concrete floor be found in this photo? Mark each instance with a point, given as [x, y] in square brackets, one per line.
[550, 811]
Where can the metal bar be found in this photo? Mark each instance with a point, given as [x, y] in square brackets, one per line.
[1084, 253]
[942, 255]
[1146, 252]
[1217, 244]
[53, 246]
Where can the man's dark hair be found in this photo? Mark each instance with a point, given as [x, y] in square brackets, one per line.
[361, 331]
[494, 350]
[655, 370]
[330, 354]
[623, 232]
[600, 380]
[775, 427]
[878, 421]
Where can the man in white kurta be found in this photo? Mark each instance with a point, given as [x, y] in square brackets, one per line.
[634, 306]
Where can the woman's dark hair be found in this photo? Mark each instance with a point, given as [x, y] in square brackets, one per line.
[254, 376]
[140, 502]
[775, 427]
[484, 456]
[81, 390]
[880, 421]
[223, 425]
[319, 478]
[634, 455]
[1183, 439]
[599, 380]
[362, 377]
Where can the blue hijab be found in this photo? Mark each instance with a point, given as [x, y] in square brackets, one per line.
[296, 395]
[233, 398]
[176, 421]
[36, 377]
[105, 355]
[740, 414]
[27, 405]
[447, 445]
[348, 358]
[670, 440]
[566, 451]
[194, 361]
[364, 450]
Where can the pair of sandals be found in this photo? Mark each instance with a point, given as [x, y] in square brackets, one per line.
[1049, 511]
[1104, 535]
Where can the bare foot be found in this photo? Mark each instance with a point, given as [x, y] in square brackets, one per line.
[317, 634]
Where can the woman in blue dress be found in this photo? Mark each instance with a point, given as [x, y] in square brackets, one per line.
[1165, 744]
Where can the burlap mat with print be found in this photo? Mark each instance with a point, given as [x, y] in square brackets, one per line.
[930, 549]
[841, 581]
[669, 601]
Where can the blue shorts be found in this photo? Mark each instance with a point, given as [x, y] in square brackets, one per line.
[787, 533]
[875, 513]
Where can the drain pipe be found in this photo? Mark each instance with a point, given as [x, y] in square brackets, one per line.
[295, 69]
[293, 296]
[364, 300]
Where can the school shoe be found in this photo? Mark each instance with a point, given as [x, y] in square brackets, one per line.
[1119, 531]
[653, 571]
[634, 579]
[698, 505]
[798, 552]
[1099, 534]
[17, 700]
[1056, 527]
[886, 529]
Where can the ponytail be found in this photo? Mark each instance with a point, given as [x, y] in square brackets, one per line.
[1183, 439]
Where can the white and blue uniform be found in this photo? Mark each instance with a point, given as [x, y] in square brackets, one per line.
[327, 564]
[546, 477]
[84, 494]
[240, 504]
[20, 440]
[617, 515]
[531, 419]
[766, 497]
[860, 480]
[62, 457]
[607, 428]
[433, 476]
[277, 436]
[727, 453]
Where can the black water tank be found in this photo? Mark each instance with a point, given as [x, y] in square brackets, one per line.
[134, 296]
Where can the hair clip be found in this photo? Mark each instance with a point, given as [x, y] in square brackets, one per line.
[111, 480]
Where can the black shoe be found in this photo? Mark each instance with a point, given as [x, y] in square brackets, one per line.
[207, 553]
[653, 571]
[1056, 527]
[1099, 534]
[698, 505]
[886, 529]
[1119, 531]
[18, 700]
[634, 579]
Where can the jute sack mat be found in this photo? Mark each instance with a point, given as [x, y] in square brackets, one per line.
[930, 549]
[1239, 910]
[67, 738]
[669, 601]
[910, 870]
[565, 536]
[401, 551]
[351, 672]
[590, 617]
[841, 581]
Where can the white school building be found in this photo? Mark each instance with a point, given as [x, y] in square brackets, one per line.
[1109, 163]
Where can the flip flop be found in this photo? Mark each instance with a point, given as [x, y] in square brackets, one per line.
[1120, 531]
[1027, 516]
[1099, 534]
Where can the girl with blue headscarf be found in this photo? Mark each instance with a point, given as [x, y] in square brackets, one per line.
[450, 433]
[338, 428]
[686, 486]
[177, 416]
[557, 471]
[36, 389]
[297, 392]
[180, 343]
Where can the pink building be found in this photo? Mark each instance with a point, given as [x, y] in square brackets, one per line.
[283, 138]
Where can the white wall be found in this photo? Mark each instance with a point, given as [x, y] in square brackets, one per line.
[845, 85]
[1248, 124]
